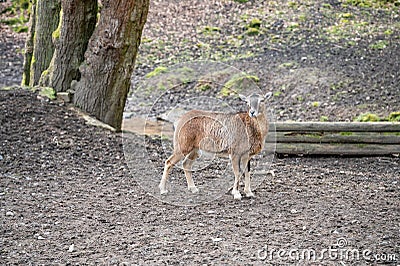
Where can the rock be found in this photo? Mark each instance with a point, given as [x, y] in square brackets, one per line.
[127, 115]
[9, 213]
[217, 239]
[41, 238]
[64, 96]
[71, 248]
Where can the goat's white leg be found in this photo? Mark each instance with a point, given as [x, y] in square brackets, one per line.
[169, 163]
[247, 181]
[187, 168]
[236, 170]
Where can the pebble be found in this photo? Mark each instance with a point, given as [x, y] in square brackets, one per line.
[127, 115]
[9, 213]
[71, 248]
[217, 239]
[1, 157]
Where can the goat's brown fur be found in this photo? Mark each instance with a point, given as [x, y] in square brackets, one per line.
[239, 136]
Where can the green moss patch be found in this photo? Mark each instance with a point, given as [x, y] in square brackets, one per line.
[211, 29]
[379, 45]
[157, 71]
[204, 87]
[252, 31]
[367, 117]
[372, 3]
[20, 10]
[237, 83]
[56, 33]
[255, 23]
[47, 92]
[323, 118]
[394, 117]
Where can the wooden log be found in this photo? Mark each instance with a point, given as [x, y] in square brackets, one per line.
[337, 149]
[338, 126]
[335, 137]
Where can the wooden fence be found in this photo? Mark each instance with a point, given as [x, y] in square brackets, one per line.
[337, 138]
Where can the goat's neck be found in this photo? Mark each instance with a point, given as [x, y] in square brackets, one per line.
[262, 123]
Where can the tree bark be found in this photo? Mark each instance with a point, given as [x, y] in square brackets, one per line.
[77, 23]
[46, 20]
[109, 60]
[29, 46]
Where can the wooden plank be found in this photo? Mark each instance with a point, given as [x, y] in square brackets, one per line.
[339, 149]
[338, 126]
[338, 137]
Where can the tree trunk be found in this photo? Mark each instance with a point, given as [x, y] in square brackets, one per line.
[77, 23]
[46, 19]
[109, 60]
[29, 46]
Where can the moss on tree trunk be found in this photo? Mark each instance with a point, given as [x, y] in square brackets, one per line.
[29, 47]
[46, 19]
[77, 23]
[70, 51]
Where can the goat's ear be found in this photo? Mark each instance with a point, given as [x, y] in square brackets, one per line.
[242, 97]
[267, 95]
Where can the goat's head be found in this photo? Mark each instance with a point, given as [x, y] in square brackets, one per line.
[255, 102]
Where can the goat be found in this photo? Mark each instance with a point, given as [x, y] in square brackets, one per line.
[239, 136]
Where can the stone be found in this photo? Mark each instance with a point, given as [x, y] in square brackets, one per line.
[64, 96]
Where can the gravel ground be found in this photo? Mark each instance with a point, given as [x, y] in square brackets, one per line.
[68, 197]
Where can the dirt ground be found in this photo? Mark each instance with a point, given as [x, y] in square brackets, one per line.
[65, 183]
[72, 194]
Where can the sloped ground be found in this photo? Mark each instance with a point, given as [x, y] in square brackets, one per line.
[322, 59]
[68, 197]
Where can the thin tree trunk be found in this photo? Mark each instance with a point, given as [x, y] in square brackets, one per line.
[47, 17]
[29, 46]
[78, 20]
[109, 60]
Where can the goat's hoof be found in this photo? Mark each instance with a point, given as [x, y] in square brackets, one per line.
[250, 195]
[237, 196]
[163, 191]
[193, 189]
